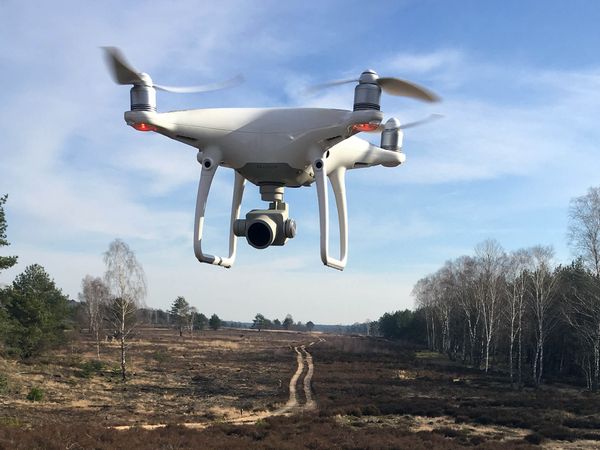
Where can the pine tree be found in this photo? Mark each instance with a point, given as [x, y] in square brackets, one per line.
[37, 312]
[6, 262]
[214, 322]
[180, 311]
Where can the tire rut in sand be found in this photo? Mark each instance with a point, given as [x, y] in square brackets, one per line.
[310, 403]
[303, 358]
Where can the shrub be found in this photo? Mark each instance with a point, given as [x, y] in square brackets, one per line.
[558, 432]
[371, 410]
[90, 368]
[3, 384]
[483, 420]
[476, 440]
[534, 438]
[449, 432]
[582, 422]
[36, 394]
[356, 412]
[161, 357]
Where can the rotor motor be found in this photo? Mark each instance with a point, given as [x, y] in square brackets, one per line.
[367, 93]
[143, 98]
[392, 135]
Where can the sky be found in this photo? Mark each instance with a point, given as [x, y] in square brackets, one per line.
[520, 84]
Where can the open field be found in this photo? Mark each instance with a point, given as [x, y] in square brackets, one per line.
[248, 389]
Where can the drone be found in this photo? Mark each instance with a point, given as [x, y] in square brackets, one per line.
[275, 148]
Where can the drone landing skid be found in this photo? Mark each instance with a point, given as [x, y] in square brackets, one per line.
[337, 179]
[206, 178]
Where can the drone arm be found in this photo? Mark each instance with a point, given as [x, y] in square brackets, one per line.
[208, 172]
[337, 179]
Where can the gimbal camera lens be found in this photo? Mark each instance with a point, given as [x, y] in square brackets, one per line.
[260, 234]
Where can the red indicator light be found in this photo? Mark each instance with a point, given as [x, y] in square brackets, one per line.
[144, 127]
[358, 127]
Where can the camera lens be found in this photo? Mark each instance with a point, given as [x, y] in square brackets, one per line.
[259, 234]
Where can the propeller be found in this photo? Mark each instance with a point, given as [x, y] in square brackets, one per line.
[124, 73]
[389, 85]
[416, 123]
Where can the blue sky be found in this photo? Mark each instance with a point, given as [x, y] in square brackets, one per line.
[520, 83]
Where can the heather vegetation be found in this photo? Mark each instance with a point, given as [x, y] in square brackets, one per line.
[226, 389]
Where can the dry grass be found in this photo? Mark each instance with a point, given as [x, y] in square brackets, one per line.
[220, 389]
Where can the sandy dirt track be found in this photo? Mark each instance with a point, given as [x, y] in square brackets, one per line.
[294, 404]
[303, 360]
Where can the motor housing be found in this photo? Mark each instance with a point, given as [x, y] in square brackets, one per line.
[392, 135]
[367, 94]
[143, 98]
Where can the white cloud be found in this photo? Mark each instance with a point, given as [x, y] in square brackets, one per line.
[426, 63]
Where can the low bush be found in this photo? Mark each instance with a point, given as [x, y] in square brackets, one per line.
[3, 384]
[582, 422]
[371, 410]
[90, 368]
[558, 432]
[356, 412]
[161, 357]
[534, 438]
[36, 394]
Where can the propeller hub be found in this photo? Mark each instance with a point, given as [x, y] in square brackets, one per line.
[145, 79]
[368, 76]
[392, 124]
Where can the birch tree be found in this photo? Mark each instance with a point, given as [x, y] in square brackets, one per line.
[516, 287]
[489, 287]
[581, 308]
[191, 317]
[465, 267]
[541, 299]
[584, 228]
[126, 282]
[94, 293]
[445, 291]
[423, 300]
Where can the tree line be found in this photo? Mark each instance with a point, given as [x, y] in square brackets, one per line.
[260, 322]
[516, 311]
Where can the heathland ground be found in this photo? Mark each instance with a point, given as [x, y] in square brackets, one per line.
[250, 389]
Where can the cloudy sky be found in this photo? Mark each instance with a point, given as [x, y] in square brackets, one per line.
[520, 83]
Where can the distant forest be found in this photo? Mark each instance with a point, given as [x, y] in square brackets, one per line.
[516, 312]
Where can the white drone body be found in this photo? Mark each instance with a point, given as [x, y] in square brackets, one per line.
[274, 148]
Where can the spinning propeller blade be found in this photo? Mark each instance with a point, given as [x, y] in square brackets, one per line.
[238, 79]
[389, 85]
[121, 71]
[317, 87]
[416, 123]
[124, 73]
[403, 88]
